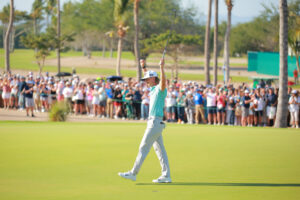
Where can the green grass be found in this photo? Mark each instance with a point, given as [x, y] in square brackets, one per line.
[23, 59]
[43, 160]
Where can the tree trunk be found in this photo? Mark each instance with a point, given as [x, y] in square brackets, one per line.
[297, 63]
[176, 62]
[35, 31]
[282, 108]
[136, 40]
[103, 47]
[58, 36]
[216, 43]
[6, 41]
[111, 47]
[207, 45]
[226, 46]
[12, 40]
[118, 69]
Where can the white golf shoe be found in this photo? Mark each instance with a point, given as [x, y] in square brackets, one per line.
[128, 175]
[162, 179]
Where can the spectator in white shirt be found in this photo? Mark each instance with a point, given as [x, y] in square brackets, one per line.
[294, 108]
[68, 92]
[171, 105]
[211, 99]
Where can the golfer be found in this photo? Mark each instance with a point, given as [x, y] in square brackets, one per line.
[155, 126]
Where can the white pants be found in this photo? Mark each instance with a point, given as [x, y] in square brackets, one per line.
[294, 116]
[153, 137]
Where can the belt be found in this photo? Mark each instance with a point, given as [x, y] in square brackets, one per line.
[155, 117]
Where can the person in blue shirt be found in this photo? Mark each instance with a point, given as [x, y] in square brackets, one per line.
[109, 101]
[29, 102]
[155, 126]
[21, 94]
[199, 105]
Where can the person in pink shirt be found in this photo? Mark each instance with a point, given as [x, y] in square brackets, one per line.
[6, 93]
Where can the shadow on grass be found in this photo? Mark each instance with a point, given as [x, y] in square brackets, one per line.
[226, 184]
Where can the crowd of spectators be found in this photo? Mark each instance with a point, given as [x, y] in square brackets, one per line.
[186, 102]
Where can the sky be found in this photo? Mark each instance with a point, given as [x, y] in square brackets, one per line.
[243, 10]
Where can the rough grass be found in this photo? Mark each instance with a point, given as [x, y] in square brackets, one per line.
[81, 160]
[23, 59]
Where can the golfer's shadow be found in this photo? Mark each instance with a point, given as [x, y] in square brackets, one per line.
[226, 184]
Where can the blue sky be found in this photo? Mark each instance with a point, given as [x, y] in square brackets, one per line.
[243, 10]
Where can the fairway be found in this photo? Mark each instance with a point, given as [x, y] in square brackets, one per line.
[43, 160]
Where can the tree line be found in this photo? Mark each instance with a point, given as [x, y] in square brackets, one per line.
[128, 25]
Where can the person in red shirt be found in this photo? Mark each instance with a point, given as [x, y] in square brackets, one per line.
[296, 76]
[221, 103]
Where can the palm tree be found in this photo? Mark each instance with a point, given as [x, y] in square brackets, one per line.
[7, 36]
[282, 109]
[58, 36]
[206, 46]
[136, 39]
[229, 4]
[216, 43]
[49, 8]
[120, 16]
[37, 14]
[294, 37]
[18, 16]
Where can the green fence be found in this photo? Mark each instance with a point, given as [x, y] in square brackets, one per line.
[268, 63]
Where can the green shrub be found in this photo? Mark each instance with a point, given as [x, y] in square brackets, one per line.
[58, 112]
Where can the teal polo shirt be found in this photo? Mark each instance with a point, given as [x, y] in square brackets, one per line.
[157, 101]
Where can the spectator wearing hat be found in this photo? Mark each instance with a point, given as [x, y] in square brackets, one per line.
[211, 98]
[14, 92]
[271, 106]
[145, 104]
[221, 103]
[44, 97]
[251, 110]
[129, 104]
[231, 110]
[21, 94]
[117, 101]
[68, 93]
[294, 109]
[53, 96]
[258, 105]
[180, 106]
[79, 99]
[171, 105]
[136, 102]
[199, 106]
[6, 93]
[59, 91]
[96, 101]
[102, 100]
[246, 99]
[89, 99]
[190, 107]
[29, 102]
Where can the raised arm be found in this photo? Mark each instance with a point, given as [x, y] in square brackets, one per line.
[162, 83]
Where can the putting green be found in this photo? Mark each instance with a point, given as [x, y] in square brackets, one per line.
[43, 160]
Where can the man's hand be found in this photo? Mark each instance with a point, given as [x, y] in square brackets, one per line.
[161, 63]
[143, 65]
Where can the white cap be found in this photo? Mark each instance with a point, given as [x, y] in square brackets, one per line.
[247, 91]
[294, 92]
[149, 74]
